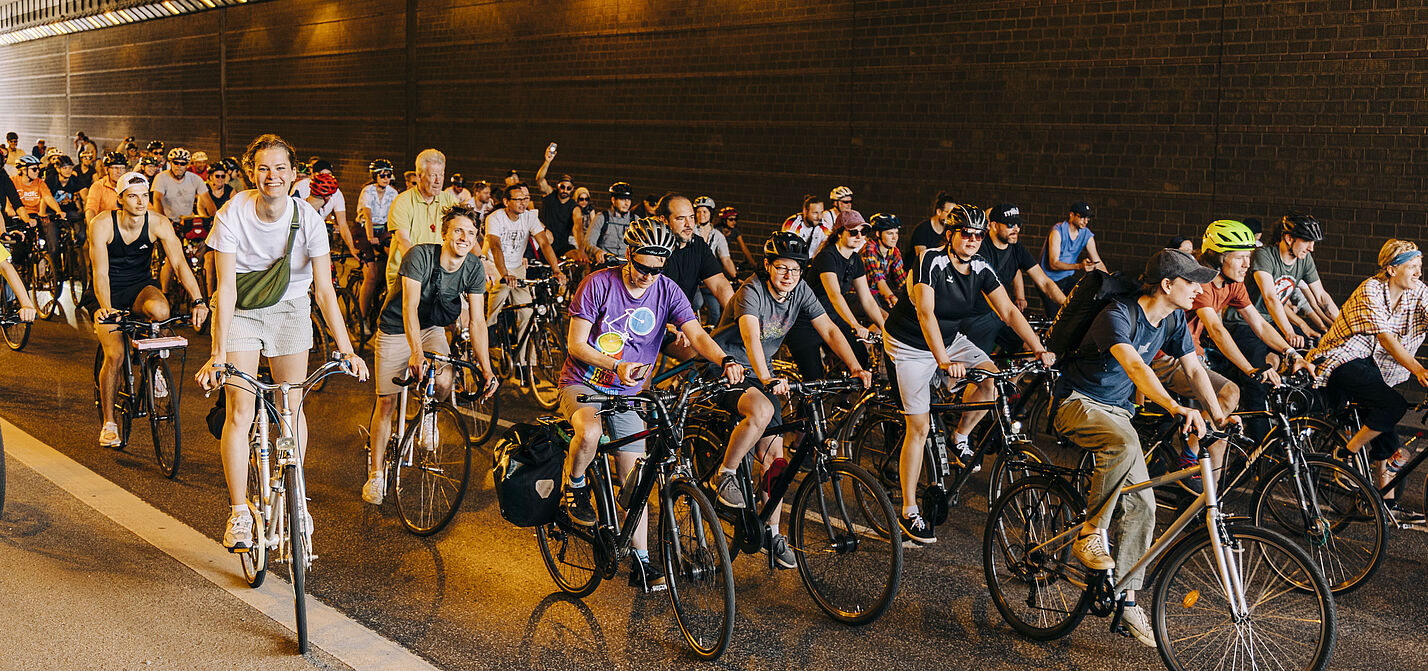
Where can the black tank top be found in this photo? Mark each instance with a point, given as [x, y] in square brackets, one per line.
[129, 262]
[218, 201]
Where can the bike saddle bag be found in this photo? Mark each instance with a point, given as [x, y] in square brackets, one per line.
[528, 467]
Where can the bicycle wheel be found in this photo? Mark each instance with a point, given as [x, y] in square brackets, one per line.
[850, 562]
[163, 414]
[1344, 530]
[1010, 468]
[433, 469]
[1285, 627]
[548, 346]
[298, 549]
[482, 416]
[697, 568]
[17, 335]
[1317, 435]
[1037, 586]
[255, 560]
[351, 317]
[570, 554]
[43, 281]
[877, 445]
[322, 345]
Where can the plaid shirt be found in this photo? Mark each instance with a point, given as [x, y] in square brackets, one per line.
[883, 265]
[1365, 315]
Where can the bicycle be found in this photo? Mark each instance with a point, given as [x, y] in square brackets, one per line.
[840, 513]
[277, 492]
[693, 550]
[1228, 595]
[482, 414]
[428, 464]
[1332, 436]
[153, 393]
[191, 230]
[16, 331]
[543, 338]
[878, 428]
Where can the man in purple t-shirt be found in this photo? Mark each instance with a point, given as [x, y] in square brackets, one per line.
[617, 323]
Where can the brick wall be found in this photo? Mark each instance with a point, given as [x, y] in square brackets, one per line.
[1166, 114]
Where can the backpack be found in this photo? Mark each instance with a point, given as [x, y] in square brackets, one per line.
[1092, 293]
[528, 466]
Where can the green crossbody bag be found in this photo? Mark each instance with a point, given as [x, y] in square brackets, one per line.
[264, 288]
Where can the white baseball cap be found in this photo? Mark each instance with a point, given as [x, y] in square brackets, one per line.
[131, 181]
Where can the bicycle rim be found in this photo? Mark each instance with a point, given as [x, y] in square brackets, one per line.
[1040, 591]
[17, 335]
[255, 560]
[1285, 627]
[1344, 532]
[549, 359]
[697, 569]
[849, 553]
[163, 415]
[877, 445]
[570, 558]
[298, 550]
[432, 472]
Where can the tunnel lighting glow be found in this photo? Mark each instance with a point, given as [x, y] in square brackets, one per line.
[113, 17]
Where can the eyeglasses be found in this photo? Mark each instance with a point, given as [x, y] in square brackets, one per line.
[1010, 224]
[646, 270]
[971, 235]
[859, 231]
[518, 199]
[786, 270]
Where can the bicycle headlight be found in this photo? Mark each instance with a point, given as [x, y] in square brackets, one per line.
[1016, 427]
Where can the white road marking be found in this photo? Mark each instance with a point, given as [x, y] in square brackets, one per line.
[339, 635]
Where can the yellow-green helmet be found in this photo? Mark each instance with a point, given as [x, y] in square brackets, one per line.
[1228, 235]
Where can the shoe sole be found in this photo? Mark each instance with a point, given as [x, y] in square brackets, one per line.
[579, 522]
[917, 541]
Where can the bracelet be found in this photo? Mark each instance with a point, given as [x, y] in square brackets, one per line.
[728, 359]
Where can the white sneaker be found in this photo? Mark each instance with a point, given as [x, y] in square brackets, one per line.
[109, 435]
[1091, 551]
[1138, 624]
[375, 488]
[161, 386]
[239, 534]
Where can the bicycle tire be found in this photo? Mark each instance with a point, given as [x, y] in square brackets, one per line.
[125, 402]
[570, 554]
[255, 560]
[298, 553]
[698, 571]
[831, 531]
[1030, 513]
[431, 479]
[164, 416]
[1349, 539]
[877, 446]
[1189, 587]
[351, 318]
[42, 280]
[1006, 470]
[482, 415]
[549, 348]
[17, 335]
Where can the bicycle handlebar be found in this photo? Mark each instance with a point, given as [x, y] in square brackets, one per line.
[121, 319]
[335, 364]
[433, 356]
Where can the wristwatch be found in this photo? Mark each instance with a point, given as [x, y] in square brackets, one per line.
[728, 359]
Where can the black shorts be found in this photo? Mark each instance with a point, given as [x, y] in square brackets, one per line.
[121, 297]
[730, 401]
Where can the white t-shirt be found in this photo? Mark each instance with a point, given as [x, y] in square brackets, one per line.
[466, 197]
[179, 195]
[514, 235]
[256, 244]
[378, 204]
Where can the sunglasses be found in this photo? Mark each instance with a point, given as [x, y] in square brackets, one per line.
[565, 187]
[219, 175]
[971, 235]
[384, 175]
[859, 231]
[583, 199]
[847, 201]
[179, 162]
[646, 270]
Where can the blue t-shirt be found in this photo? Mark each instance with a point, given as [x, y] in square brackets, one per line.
[1099, 375]
[624, 327]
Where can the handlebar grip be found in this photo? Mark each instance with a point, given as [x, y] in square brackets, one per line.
[596, 398]
[404, 382]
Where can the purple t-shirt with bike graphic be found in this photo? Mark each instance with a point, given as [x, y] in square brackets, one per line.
[623, 327]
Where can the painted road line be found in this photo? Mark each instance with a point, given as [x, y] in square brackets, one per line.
[339, 635]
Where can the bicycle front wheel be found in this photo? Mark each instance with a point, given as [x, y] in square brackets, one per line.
[1035, 583]
[163, 415]
[1010, 468]
[433, 467]
[548, 349]
[1332, 512]
[17, 335]
[847, 543]
[698, 570]
[255, 560]
[1290, 623]
[298, 549]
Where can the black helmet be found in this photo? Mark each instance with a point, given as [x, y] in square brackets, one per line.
[884, 222]
[457, 180]
[381, 165]
[786, 245]
[969, 217]
[1302, 226]
[232, 164]
[148, 160]
[621, 190]
[115, 158]
[155, 145]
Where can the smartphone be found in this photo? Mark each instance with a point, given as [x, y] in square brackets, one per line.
[550, 149]
[640, 371]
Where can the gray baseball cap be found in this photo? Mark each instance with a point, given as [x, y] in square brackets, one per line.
[1168, 264]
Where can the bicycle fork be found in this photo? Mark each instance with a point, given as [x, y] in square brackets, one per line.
[1227, 551]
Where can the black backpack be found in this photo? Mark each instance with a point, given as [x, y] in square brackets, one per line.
[528, 471]
[1092, 293]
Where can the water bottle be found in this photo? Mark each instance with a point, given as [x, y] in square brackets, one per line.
[1398, 461]
[627, 490]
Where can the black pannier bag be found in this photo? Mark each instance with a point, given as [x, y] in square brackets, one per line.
[528, 466]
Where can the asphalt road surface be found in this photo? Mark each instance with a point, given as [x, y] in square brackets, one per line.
[477, 596]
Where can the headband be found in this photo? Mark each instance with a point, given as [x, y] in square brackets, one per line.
[1405, 257]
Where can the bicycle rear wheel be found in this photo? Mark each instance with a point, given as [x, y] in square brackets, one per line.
[848, 548]
[17, 335]
[255, 560]
[697, 568]
[877, 445]
[44, 285]
[433, 468]
[548, 347]
[1345, 532]
[482, 416]
[298, 552]
[570, 554]
[1286, 627]
[163, 414]
[1037, 586]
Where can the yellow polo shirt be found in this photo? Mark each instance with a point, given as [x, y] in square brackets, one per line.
[420, 219]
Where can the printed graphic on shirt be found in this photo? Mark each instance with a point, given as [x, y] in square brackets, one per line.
[615, 331]
[1284, 286]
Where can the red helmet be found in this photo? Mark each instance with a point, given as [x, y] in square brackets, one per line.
[323, 185]
[728, 213]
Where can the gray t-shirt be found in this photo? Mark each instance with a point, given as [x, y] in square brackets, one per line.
[775, 317]
[1286, 278]
[179, 195]
[449, 287]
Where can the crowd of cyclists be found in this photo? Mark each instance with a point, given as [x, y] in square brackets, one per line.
[675, 276]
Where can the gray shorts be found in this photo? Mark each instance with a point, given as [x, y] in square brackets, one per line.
[276, 330]
[393, 353]
[1172, 375]
[619, 425]
[915, 369]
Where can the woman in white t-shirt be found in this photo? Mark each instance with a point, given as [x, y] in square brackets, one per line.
[249, 234]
